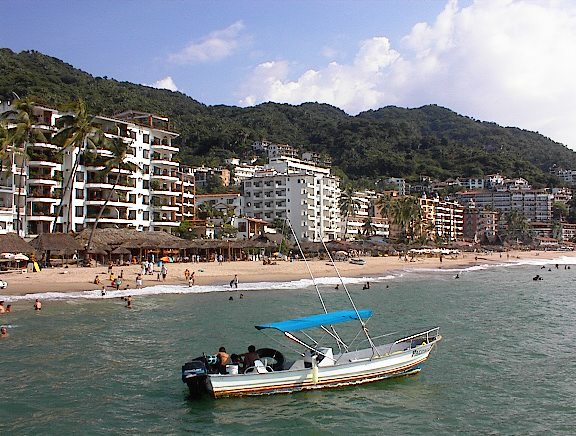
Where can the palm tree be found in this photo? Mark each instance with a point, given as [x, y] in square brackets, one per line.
[78, 134]
[4, 155]
[19, 134]
[516, 226]
[349, 205]
[119, 148]
[384, 205]
[368, 227]
[407, 215]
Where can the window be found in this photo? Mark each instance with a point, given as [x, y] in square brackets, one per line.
[146, 138]
[145, 154]
[131, 214]
[146, 215]
[79, 194]
[79, 211]
[79, 177]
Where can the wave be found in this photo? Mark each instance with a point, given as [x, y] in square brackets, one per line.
[197, 289]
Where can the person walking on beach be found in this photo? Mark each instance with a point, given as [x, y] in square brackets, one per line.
[37, 305]
[164, 272]
[117, 283]
[234, 281]
[191, 279]
[186, 274]
[138, 281]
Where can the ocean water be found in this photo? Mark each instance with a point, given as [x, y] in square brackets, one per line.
[87, 365]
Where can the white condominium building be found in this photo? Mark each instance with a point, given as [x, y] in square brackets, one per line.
[305, 194]
[69, 184]
[535, 205]
[366, 220]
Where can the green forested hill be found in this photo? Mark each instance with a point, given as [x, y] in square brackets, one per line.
[391, 141]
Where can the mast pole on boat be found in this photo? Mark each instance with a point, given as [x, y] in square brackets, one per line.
[307, 266]
[362, 323]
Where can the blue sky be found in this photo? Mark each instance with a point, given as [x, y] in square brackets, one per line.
[507, 61]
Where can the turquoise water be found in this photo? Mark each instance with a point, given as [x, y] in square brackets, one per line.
[506, 364]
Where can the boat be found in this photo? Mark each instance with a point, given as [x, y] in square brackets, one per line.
[357, 261]
[329, 362]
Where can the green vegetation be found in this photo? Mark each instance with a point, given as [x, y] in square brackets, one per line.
[410, 143]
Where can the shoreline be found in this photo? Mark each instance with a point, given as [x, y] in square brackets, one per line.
[63, 281]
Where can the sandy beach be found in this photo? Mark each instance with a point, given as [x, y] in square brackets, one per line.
[74, 279]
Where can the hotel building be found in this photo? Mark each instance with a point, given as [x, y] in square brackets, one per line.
[305, 194]
[154, 196]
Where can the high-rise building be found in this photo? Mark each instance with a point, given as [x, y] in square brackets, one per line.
[305, 194]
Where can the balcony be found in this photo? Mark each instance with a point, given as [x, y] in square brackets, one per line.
[164, 161]
[165, 147]
[165, 175]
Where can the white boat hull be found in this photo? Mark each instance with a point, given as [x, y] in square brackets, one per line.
[347, 371]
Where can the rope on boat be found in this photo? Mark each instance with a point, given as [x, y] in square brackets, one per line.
[362, 323]
[339, 341]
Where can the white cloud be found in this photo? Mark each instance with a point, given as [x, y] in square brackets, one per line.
[165, 83]
[508, 61]
[217, 45]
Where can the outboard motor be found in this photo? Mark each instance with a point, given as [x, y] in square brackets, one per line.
[194, 374]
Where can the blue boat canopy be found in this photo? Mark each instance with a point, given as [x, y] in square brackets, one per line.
[312, 321]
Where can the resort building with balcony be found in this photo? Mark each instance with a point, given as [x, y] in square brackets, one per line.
[442, 220]
[305, 194]
[65, 190]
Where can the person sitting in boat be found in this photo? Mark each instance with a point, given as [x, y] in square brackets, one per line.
[250, 357]
[223, 360]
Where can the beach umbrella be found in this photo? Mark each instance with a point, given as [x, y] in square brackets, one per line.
[166, 259]
[20, 257]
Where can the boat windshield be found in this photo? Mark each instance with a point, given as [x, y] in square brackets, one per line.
[323, 319]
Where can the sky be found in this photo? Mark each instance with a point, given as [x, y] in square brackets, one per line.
[512, 62]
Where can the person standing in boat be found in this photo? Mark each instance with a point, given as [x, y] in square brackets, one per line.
[223, 360]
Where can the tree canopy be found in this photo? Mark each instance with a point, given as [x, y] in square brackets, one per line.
[388, 142]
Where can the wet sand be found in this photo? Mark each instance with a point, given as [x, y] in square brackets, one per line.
[74, 279]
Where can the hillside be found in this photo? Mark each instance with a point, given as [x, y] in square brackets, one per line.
[391, 141]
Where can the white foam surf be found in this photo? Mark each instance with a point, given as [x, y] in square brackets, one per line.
[161, 289]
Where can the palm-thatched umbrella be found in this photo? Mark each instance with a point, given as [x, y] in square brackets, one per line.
[121, 251]
[12, 243]
[61, 244]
